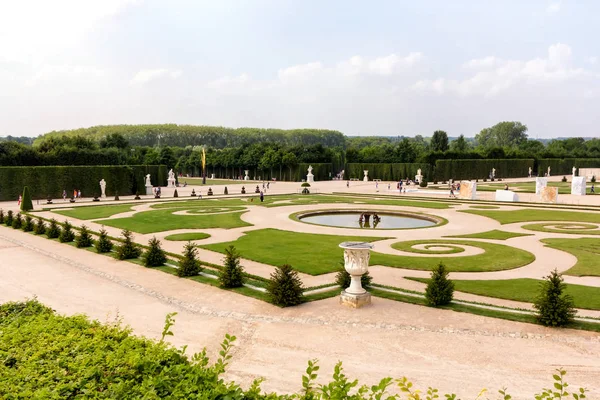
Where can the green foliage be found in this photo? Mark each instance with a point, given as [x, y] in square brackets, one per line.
[53, 230]
[232, 274]
[593, 180]
[342, 278]
[285, 287]
[565, 166]
[386, 171]
[26, 204]
[189, 264]
[28, 225]
[423, 183]
[477, 169]
[305, 184]
[559, 391]
[83, 238]
[9, 218]
[225, 191]
[554, 308]
[503, 134]
[439, 141]
[40, 227]
[17, 221]
[175, 194]
[154, 256]
[564, 179]
[66, 235]
[1, 216]
[440, 289]
[128, 249]
[103, 244]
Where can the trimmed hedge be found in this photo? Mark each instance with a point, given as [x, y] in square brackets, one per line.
[51, 181]
[565, 166]
[387, 171]
[479, 169]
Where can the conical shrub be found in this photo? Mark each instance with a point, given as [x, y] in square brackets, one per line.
[9, 218]
[28, 224]
[189, 264]
[17, 222]
[53, 230]
[40, 227]
[232, 274]
[154, 256]
[83, 238]
[66, 235]
[285, 287]
[128, 249]
[26, 204]
[554, 308]
[103, 244]
[2, 216]
[440, 289]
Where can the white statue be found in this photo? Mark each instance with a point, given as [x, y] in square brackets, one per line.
[171, 174]
[246, 177]
[493, 172]
[548, 170]
[366, 178]
[310, 177]
[171, 179]
[310, 168]
[419, 172]
[103, 188]
[574, 170]
[148, 183]
[530, 171]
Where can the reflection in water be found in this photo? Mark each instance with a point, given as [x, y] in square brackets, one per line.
[367, 220]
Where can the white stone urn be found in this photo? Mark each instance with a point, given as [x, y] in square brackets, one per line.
[356, 263]
[366, 178]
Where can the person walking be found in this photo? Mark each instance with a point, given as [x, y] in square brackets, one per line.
[20, 199]
[64, 195]
[262, 196]
[347, 184]
[79, 194]
[592, 189]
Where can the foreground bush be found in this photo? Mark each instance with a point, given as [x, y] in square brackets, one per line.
[40, 227]
[189, 264]
[53, 230]
[66, 235]
[440, 289]
[554, 308]
[17, 221]
[28, 224]
[103, 244]
[9, 218]
[84, 239]
[155, 255]
[285, 287]
[232, 274]
[50, 356]
[342, 278]
[1, 216]
[128, 249]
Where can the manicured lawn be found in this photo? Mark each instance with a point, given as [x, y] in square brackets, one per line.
[94, 212]
[494, 235]
[497, 257]
[525, 290]
[485, 207]
[544, 228]
[529, 215]
[188, 236]
[308, 253]
[529, 187]
[428, 248]
[587, 251]
[165, 220]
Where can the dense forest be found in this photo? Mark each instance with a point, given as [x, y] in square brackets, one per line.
[230, 151]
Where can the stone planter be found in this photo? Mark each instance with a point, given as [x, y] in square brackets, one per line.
[356, 263]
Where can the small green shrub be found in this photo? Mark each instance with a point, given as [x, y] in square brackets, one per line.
[285, 287]
[103, 244]
[40, 227]
[53, 230]
[225, 191]
[554, 308]
[305, 184]
[175, 194]
[232, 274]
[66, 235]
[594, 179]
[128, 249]
[440, 289]
[564, 179]
[423, 183]
[28, 225]
[342, 278]
[189, 265]
[154, 256]
[2, 216]
[17, 221]
[84, 239]
[9, 218]
[26, 204]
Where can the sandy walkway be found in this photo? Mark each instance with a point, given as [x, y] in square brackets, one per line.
[454, 351]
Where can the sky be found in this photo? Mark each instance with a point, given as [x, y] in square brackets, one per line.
[361, 67]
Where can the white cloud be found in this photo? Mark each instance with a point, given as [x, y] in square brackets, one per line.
[299, 72]
[486, 62]
[593, 60]
[69, 73]
[386, 65]
[147, 75]
[553, 8]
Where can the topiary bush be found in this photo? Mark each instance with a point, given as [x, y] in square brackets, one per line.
[66, 235]
[225, 191]
[342, 278]
[26, 204]
[189, 264]
[2, 216]
[154, 256]
[423, 183]
[128, 249]
[285, 287]
[84, 239]
[175, 194]
[594, 179]
[28, 224]
[9, 218]
[554, 308]
[103, 244]
[564, 179]
[53, 230]
[440, 289]
[40, 227]
[232, 274]
[17, 221]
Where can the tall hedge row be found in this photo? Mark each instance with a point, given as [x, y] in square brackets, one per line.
[51, 181]
[387, 171]
[479, 169]
[565, 166]
[321, 171]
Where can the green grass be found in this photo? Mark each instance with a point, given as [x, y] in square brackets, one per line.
[543, 227]
[428, 248]
[94, 212]
[494, 235]
[528, 187]
[587, 251]
[485, 207]
[525, 290]
[187, 236]
[529, 215]
[164, 220]
[308, 253]
[496, 257]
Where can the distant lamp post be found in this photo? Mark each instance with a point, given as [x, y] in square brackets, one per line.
[356, 263]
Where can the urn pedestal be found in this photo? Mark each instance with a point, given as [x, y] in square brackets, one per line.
[356, 263]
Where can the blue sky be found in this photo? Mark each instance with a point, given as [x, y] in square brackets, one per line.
[364, 68]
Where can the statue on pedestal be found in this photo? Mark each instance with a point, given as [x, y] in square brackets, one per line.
[103, 188]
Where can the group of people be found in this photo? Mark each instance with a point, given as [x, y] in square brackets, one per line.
[454, 187]
[76, 194]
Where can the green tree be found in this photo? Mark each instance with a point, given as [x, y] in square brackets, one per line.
[503, 134]
[439, 141]
[440, 289]
[83, 238]
[554, 308]
[128, 249]
[40, 227]
[1, 216]
[154, 256]
[285, 287]
[232, 274]
[290, 160]
[459, 145]
[26, 204]
[342, 278]
[66, 235]
[103, 244]
[17, 221]
[53, 230]
[28, 224]
[9, 218]
[189, 264]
